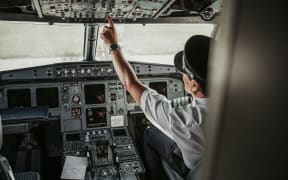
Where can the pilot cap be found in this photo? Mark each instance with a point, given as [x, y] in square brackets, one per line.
[194, 57]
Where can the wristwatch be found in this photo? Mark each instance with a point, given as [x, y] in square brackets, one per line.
[114, 46]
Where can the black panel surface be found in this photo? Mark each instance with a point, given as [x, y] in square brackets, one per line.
[19, 98]
[73, 137]
[119, 132]
[47, 97]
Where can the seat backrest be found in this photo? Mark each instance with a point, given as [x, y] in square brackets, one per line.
[172, 175]
[194, 174]
[0, 132]
[5, 169]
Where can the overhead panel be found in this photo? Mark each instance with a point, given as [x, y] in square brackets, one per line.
[87, 10]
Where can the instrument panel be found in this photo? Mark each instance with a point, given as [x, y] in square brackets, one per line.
[93, 110]
[71, 86]
[85, 105]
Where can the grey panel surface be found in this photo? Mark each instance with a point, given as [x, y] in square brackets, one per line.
[27, 114]
[71, 125]
[82, 70]
[16, 128]
[27, 176]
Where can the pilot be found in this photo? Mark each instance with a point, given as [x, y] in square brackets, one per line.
[178, 138]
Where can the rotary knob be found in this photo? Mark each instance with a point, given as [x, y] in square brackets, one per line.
[76, 99]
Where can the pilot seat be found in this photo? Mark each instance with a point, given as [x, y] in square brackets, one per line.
[6, 172]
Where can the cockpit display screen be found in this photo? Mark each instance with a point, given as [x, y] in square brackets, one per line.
[73, 137]
[119, 132]
[94, 93]
[19, 98]
[96, 117]
[160, 87]
[47, 97]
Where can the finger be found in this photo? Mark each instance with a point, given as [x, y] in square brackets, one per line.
[109, 19]
[106, 34]
[105, 30]
[101, 35]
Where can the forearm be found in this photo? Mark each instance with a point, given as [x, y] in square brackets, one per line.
[127, 76]
[123, 69]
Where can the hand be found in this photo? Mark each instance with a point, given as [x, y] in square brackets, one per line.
[109, 34]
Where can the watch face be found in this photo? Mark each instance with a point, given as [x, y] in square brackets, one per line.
[114, 47]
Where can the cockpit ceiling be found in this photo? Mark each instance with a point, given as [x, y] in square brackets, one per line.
[122, 11]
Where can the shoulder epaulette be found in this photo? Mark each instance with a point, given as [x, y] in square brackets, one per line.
[182, 101]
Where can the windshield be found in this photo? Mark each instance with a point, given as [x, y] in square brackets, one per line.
[32, 44]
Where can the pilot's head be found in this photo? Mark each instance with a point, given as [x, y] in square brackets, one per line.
[192, 62]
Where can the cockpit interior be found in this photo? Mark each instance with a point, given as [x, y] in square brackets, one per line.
[64, 112]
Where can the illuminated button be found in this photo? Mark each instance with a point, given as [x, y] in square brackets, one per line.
[105, 131]
[82, 71]
[109, 70]
[99, 132]
[137, 9]
[73, 71]
[88, 71]
[86, 139]
[154, 11]
[87, 133]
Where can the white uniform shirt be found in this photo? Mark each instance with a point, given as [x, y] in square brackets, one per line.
[182, 123]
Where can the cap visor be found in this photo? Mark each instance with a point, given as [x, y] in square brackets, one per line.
[178, 61]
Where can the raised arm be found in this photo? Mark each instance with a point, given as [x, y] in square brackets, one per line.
[123, 69]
